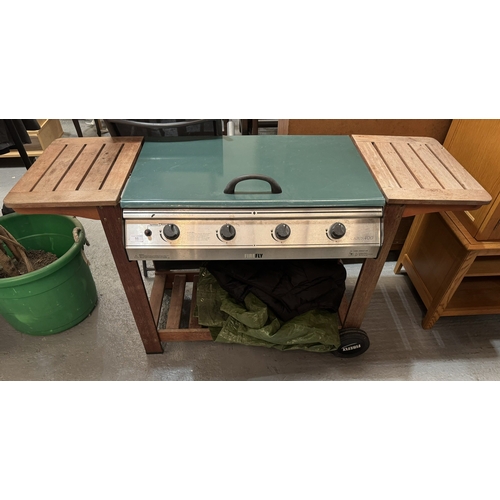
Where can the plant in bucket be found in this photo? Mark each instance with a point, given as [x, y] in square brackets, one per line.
[46, 286]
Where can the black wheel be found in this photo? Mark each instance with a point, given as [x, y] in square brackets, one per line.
[353, 342]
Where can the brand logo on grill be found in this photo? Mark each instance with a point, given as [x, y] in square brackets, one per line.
[351, 347]
[254, 255]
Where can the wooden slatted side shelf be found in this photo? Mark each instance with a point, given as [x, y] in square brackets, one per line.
[176, 282]
[419, 171]
[76, 175]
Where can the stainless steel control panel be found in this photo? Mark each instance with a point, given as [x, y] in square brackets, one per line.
[250, 234]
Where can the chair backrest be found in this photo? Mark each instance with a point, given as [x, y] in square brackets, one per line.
[164, 127]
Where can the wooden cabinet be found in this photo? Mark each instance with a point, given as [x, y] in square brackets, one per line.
[453, 259]
[40, 139]
[436, 129]
[453, 273]
[476, 145]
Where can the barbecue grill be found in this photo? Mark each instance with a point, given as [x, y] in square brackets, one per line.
[244, 198]
[259, 197]
[253, 198]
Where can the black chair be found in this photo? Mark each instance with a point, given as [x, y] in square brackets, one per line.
[164, 128]
[13, 135]
[157, 128]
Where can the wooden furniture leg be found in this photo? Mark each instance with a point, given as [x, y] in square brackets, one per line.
[408, 243]
[112, 222]
[371, 269]
[443, 297]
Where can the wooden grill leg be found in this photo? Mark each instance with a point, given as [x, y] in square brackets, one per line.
[371, 269]
[130, 275]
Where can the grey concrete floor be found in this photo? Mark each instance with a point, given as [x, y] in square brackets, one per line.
[107, 346]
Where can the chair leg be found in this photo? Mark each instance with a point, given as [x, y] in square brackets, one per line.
[18, 143]
[244, 127]
[78, 129]
[255, 127]
[218, 127]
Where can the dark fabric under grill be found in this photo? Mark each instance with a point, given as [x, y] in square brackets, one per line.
[288, 287]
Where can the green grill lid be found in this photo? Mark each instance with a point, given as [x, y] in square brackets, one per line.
[290, 171]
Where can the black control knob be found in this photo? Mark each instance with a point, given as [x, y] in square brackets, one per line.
[282, 231]
[337, 230]
[148, 232]
[171, 232]
[227, 232]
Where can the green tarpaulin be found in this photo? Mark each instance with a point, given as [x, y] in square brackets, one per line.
[253, 323]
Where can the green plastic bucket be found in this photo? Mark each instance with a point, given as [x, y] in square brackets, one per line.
[58, 296]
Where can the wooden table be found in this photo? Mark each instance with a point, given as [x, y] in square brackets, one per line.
[85, 177]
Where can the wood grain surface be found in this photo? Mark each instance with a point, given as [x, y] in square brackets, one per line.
[419, 171]
[415, 128]
[476, 145]
[77, 173]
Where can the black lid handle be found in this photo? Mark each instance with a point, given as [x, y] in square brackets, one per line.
[275, 187]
